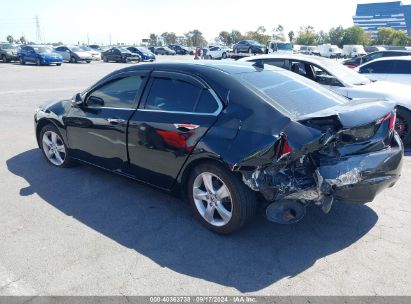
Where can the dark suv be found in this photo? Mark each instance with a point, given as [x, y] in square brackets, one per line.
[8, 52]
[354, 62]
[249, 46]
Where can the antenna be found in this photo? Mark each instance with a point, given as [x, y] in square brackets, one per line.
[39, 37]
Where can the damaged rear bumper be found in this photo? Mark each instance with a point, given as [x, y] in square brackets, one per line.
[359, 178]
[354, 178]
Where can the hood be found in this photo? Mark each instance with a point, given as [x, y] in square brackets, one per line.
[396, 92]
[354, 113]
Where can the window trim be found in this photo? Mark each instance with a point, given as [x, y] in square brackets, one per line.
[137, 98]
[182, 77]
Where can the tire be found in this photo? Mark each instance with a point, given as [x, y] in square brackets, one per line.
[224, 56]
[4, 58]
[38, 63]
[58, 64]
[403, 125]
[22, 61]
[73, 59]
[221, 214]
[105, 59]
[88, 61]
[54, 148]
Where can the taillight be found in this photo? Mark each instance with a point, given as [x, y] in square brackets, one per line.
[391, 117]
[285, 148]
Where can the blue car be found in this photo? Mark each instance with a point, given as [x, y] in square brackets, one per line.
[144, 53]
[40, 55]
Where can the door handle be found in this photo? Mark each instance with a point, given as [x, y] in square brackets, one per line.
[116, 121]
[185, 126]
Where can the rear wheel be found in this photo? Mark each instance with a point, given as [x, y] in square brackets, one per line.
[53, 147]
[224, 56]
[4, 58]
[38, 61]
[22, 61]
[220, 200]
[402, 125]
[73, 59]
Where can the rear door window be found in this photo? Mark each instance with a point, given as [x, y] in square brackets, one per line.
[378, 67]
[401, 67]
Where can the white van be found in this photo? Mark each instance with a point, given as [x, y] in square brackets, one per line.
[279, 47]
[352, 51]
[329, 51]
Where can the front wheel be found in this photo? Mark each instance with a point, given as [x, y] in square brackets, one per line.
[53, 147]
[38, 62]
[224, 56]
[220, 200]
[73, 59]
[4, 58]
[22, 61]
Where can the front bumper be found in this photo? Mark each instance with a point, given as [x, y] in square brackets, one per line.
[359, 178]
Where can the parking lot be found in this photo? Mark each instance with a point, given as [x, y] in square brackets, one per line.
[83, 231]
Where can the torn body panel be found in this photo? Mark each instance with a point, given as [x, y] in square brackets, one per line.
[346, 164]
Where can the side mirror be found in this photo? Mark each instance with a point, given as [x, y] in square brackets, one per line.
[77, 100]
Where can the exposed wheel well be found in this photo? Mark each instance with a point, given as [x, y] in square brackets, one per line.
[40, 125]
[187, 171]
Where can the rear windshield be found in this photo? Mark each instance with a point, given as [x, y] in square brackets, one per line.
[290, 93]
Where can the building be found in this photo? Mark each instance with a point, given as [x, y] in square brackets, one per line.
[373, 16]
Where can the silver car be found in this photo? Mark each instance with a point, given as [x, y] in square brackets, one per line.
[346, 82]
[73, 54]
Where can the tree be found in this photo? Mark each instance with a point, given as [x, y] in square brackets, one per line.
[23, 40]
[169, 38]
[278, 33]
[355, 35]
[323, 37]
[195, 38]
[225, 38]
[306, 36]
[384, 35]
[291, 36]
[336, 35]
[153, 39]
[399, 38]
[10, 39]
[236, 36]
[258, 35]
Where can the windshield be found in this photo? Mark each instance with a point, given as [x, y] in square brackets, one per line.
[42, 49]
[285, 46]
[86, 48]
[124, 50]
[345, 74]
[291, 94]
[143, 50]
[75, 49]
[6, 46]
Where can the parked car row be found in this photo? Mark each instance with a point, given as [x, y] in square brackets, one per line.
[46, 55]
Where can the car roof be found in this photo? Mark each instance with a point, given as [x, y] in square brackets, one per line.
[231, 67]
[313, 59]
[405, 58]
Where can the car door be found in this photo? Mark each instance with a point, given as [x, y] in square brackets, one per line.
[116, 55]
[31, 54]
[97, 130]
[175, 112]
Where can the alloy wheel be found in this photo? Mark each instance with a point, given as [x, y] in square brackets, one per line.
[212, 199]
[53, 148]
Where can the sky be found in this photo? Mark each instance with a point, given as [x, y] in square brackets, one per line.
[129, 21]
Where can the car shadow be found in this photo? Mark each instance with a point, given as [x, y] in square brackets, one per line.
[162, 228]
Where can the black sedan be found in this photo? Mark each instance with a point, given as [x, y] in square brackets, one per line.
[224, 135]
[249, 46]
[119, 55]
